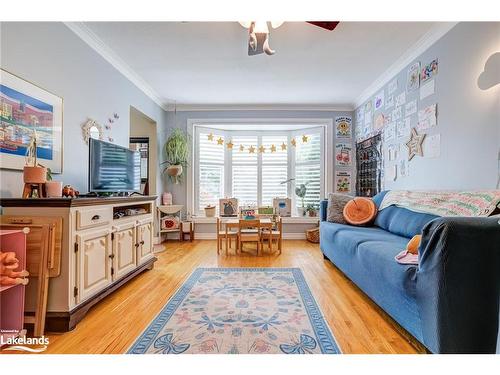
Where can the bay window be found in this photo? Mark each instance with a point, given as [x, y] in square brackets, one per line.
[253, 165]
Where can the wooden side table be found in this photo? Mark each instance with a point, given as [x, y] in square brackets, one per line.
[187, 229]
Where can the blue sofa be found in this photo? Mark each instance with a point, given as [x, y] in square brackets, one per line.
[450, 301]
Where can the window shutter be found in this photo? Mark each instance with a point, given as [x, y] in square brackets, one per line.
[210, 172]
[274, 169]
[308, 168]
[245, 177]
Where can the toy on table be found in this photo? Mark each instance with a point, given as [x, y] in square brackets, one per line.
[69, 191]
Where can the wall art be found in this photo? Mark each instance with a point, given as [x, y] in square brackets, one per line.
[343, 181]
[427, 117]
[413, 77]
[343, 125]
[428, 71]
[343, 154]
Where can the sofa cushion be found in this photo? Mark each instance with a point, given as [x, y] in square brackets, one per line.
[336, 203]
[400, 221]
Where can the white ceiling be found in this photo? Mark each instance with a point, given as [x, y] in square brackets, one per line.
[206, 63]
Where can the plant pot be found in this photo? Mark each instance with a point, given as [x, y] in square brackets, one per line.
[210, 211]
[34, 175]
[53, 189]
[174, 170]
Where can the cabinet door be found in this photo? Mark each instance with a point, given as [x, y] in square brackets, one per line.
[124, 253]
[94, 262]
[144, 240]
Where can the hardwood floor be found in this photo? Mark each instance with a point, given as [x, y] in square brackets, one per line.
[113, 324]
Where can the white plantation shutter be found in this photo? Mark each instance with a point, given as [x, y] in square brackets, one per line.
[274, 169]
[254, 178]
[210, 171]
[245, 170]
[308, 168]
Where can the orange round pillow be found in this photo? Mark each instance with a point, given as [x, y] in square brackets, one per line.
[359, 211]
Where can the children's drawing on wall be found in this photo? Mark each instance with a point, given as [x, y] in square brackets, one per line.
[390, 132]
[392, 87]
[411, 108]
[432, 146]
[378, 122]
[400, 99]
[343, 182]
[413, 77]
[427, 117]
[343, 154]
[429, 70]
[396, 114]
[427, 89]
[343, 126]
[379, 100]
[403, 128]
[389, 103]
[393, 152]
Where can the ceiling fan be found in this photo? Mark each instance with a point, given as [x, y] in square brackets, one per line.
[258, 34]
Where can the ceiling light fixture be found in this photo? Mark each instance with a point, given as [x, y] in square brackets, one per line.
[258, 36]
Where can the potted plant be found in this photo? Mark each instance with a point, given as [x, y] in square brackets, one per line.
[300, 191]
[311, 210]
[176, 152]
[53, 189]
[33, 173]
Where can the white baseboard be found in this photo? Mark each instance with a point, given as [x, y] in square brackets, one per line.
[286, 236]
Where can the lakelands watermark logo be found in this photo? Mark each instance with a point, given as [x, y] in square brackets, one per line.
[13, 340]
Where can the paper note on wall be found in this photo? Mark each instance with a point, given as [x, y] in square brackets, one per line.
[427, 117]
[427, 89]
[432, 146]
[411, 108]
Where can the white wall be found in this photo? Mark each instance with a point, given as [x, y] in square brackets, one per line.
[53, 57]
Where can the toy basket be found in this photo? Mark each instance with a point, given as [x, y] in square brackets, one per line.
[312, 235]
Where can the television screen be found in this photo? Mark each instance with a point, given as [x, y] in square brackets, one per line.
[113, 168]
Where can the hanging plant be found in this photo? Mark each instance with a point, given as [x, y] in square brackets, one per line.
[176, 152]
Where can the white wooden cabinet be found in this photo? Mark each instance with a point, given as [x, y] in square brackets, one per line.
[100, 250]
[124, 253]
[94, 261]
[144, 240]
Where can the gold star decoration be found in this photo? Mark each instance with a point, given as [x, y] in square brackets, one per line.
[230, 145]
[262, 149]
[414, 144]
[220, 141]
[242, 147]
[273, 148]
[210, 137]
[251, 150]
[304, 138]
[283, 146]
[293, 142]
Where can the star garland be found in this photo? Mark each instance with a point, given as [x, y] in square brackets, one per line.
[252, 149]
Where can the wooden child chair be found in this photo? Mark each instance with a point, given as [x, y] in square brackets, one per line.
[276, 235]
[227, 235]
[249, 231]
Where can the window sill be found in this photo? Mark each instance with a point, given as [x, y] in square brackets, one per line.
[286, 220]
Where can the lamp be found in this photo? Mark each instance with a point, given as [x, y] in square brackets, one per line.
[258, 36]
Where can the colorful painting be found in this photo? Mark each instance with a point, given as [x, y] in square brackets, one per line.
[24, 110]
[239, 311]
[343, 154]
[343, 182]
[429, 71]
[413, 78]
[343, 125]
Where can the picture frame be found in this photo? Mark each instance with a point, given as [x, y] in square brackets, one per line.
[25, 108]
[282, 206]
[228, 207]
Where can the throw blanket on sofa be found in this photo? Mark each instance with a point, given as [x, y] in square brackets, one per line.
[445, 203]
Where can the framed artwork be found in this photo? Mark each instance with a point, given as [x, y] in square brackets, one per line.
[25, 109]
[228, 207]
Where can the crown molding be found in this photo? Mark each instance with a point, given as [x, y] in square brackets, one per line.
[258, 107]
[98, 45]
[427, 40]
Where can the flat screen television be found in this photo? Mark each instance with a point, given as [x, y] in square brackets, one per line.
[113, 169]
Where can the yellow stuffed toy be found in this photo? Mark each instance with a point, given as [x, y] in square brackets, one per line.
[414, 243]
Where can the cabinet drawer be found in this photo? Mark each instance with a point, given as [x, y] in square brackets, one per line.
[93, 217]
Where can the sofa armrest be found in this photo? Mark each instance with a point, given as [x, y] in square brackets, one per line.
[458, 284]
[323, 206]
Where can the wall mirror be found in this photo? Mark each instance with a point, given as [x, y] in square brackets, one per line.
[92, 129]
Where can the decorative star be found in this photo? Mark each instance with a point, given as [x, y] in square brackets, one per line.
[251, 150]
[210, 137]
[293, 142]
[273, 148]
[414, 144]
[230, 145]
[262, 149]
[283, 146]
[304, 138]
[242, 147]
[220, 141]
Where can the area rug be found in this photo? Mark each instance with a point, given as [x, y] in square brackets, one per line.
[239, 311]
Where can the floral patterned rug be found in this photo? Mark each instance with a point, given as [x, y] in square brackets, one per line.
[239, 311]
